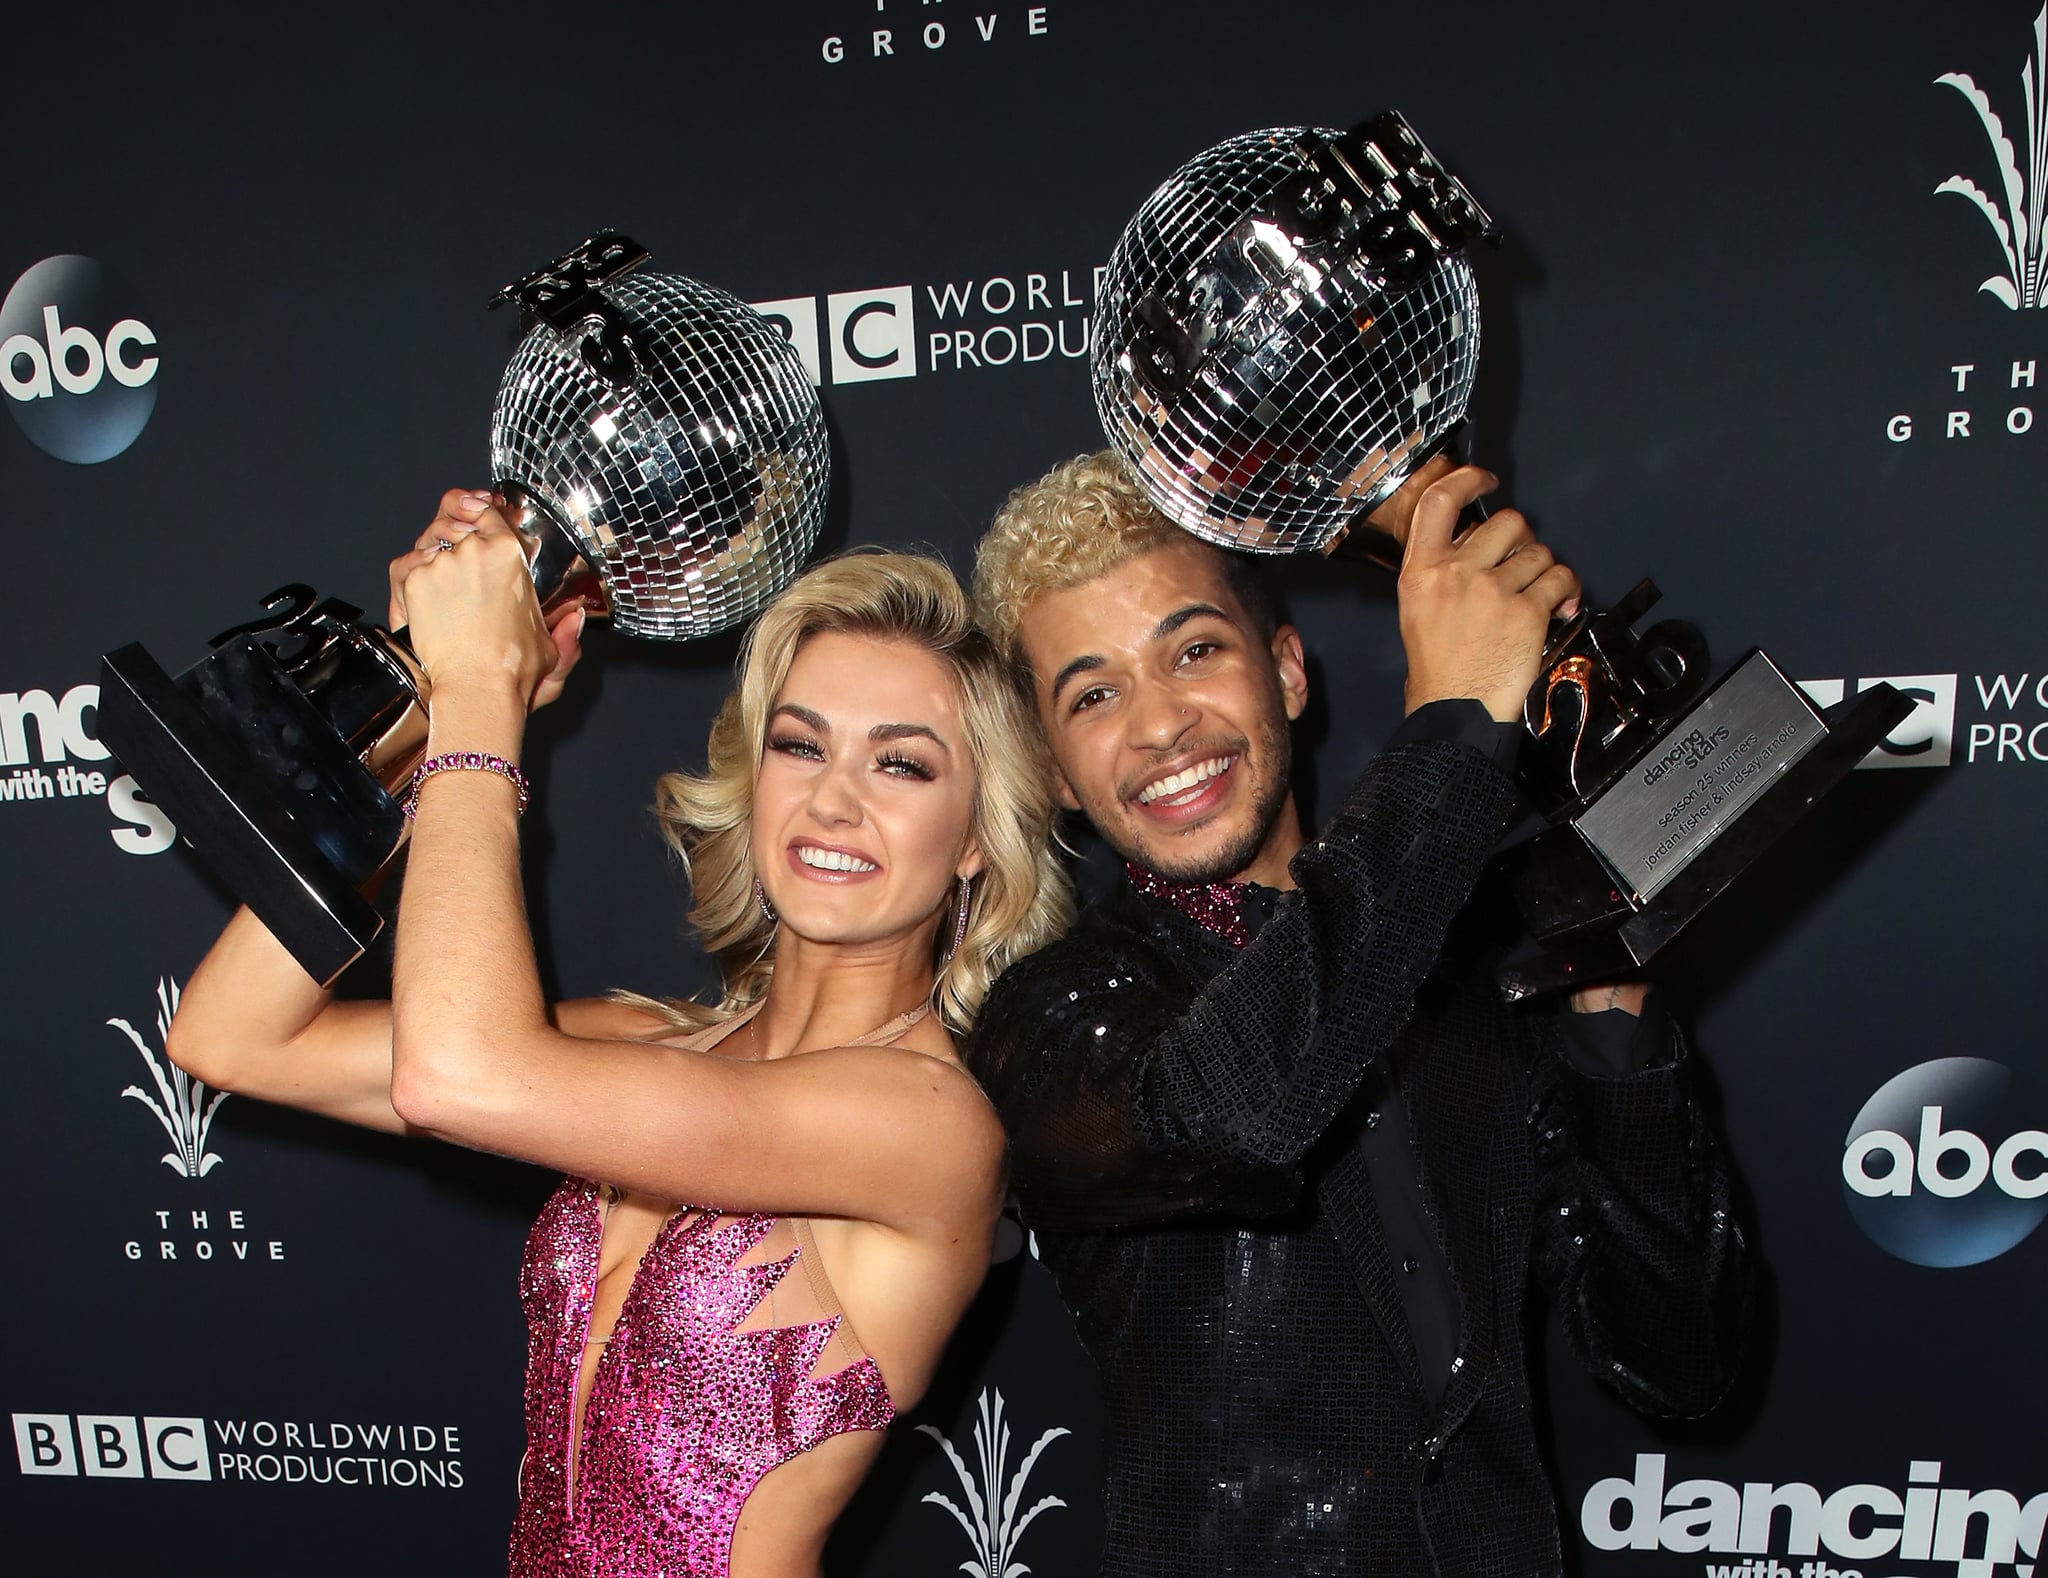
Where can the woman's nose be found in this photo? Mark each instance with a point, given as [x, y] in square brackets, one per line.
[835, 796]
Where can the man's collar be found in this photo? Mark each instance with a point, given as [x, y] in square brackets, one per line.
[1233, 911]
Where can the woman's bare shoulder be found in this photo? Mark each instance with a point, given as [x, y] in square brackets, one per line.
[972, 1109]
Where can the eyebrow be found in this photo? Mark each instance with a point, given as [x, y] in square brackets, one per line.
[906, 731]
[880, 732]
[1080, 665]
[1181, 616]
[1160, 631]
[803, 715]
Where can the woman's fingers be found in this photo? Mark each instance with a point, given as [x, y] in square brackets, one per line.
[567, 634]
[463, 510]
[463, 513]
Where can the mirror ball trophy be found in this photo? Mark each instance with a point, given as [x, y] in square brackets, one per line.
[1288, 328]
[662, 455]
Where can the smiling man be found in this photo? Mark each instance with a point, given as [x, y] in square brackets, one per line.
[1291, 1162]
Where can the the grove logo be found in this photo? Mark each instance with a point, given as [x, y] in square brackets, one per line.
[994, 1494]
[915, 36]
[1947, 1165]
[2018, 223]
[181, 1102]
[77, 360]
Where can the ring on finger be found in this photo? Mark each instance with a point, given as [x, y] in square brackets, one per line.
[443, 545]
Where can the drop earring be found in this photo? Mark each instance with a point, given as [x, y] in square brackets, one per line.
[767, 910]
[959, 920]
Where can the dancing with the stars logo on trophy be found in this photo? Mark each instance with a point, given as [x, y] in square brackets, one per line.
[662, 455]
[1288, 329]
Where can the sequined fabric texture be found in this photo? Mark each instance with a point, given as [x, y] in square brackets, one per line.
[1181, 1113]
[1216, 907]
[686, 1413]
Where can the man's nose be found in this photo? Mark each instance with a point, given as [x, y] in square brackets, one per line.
[1158, 717]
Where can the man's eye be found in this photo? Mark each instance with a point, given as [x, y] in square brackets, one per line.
[1093, 696]
[1197, 650]
[797, 745]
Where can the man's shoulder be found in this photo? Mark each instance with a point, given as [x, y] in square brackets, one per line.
[1111, 940]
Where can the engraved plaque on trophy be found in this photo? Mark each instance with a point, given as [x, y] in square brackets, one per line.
[663, 457]
[1288, 329]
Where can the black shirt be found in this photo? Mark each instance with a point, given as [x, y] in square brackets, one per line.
[1189, 1147]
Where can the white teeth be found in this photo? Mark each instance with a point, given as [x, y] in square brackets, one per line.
[1186, 778]
[831, 860]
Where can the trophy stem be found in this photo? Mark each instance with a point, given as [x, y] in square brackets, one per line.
[562, 576]
[371, 687]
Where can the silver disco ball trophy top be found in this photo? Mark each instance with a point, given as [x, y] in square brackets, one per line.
[663, 457]
[670, 432]
[1288, 329]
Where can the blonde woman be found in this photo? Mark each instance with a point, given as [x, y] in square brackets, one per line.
[778, 1207]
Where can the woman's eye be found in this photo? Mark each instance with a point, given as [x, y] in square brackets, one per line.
[796, 745]
[904, 767]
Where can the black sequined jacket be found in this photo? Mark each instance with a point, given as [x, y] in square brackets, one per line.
[1176, 1108]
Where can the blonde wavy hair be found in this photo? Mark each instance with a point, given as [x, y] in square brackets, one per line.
[1019, 901]
[1083, 519]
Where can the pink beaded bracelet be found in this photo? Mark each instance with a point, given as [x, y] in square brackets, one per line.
[464, 761]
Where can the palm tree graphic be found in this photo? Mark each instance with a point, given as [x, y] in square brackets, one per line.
[993, 1531]
[2018, 223]
[180, 1102]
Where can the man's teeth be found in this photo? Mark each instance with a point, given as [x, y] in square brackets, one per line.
[1185, 779]
[832, 860]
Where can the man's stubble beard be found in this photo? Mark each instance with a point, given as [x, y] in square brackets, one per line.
[1275, 748]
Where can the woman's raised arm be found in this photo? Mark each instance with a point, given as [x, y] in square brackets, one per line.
[253, 1022]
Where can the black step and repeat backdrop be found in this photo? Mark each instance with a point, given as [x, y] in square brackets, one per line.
[1767, 325]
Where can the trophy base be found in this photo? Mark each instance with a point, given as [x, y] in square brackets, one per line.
[1603, 892]
[262, 787]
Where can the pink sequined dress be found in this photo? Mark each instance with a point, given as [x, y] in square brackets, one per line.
[687, 1411]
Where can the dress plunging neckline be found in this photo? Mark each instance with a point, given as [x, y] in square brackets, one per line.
[682, 1215]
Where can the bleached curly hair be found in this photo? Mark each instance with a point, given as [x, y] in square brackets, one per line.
[1081, 520]
[1020, 900]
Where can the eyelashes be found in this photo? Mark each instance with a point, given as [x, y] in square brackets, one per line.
[904, 766]
[895, 763]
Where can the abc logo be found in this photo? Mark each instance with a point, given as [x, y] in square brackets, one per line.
[77, 361]
[1947, 1164]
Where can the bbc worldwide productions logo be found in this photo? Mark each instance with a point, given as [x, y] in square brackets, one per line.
[115, 1446]
[1947, 1164]
[348, 1453]
[78, 362]
[1019, 319]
